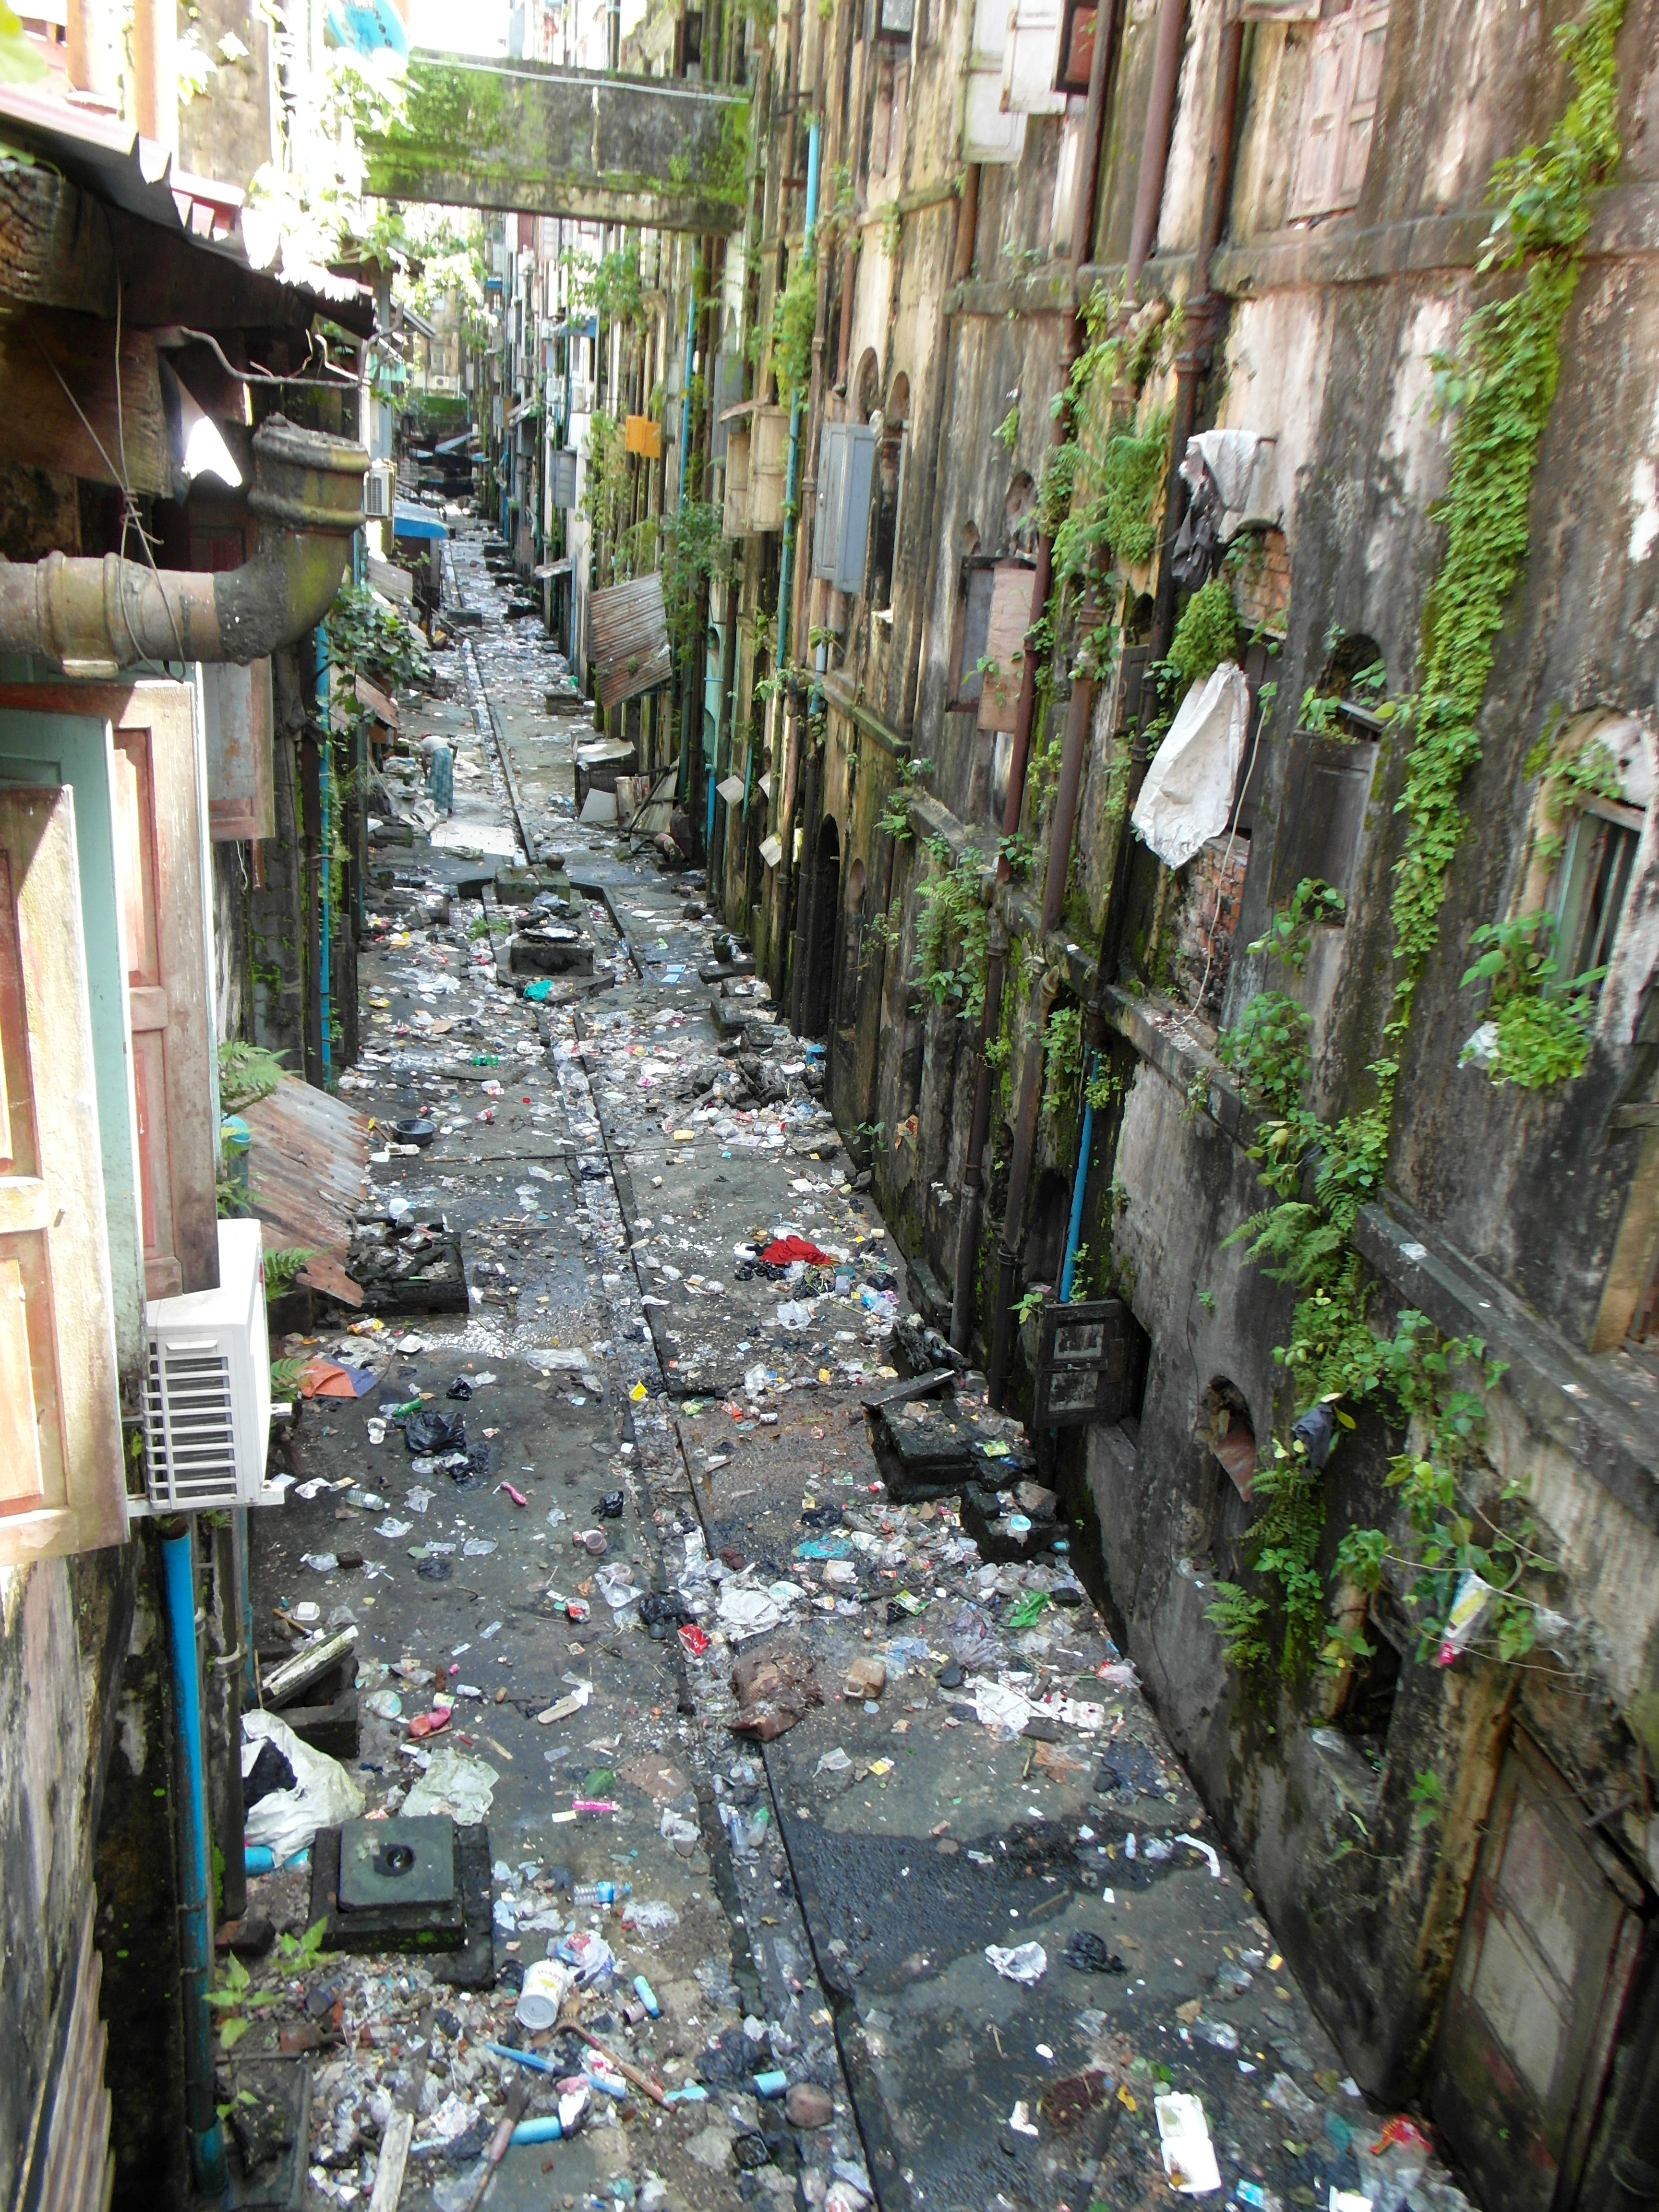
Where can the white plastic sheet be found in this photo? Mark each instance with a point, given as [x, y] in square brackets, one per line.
[1188, 791]
[1242, 463]
[455, 1784]
[322, 1794]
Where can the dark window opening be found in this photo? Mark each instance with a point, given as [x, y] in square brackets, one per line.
[1045, 1238]
[973, 628]
[1076, 45]
[889, 491]
[1354, 680]
[1226, 1429]
[1368, 1707]
[824, 907]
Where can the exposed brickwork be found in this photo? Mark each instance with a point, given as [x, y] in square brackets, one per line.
[1211, 897]
[1262, 587]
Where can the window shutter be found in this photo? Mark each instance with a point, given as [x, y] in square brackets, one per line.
[1004, 644]
[1324, 107]
[62, 1485]
[239, 727]
[1370, 36]
[1030, 59]
[990, 132]
[847, 458]
[1339, 106]
[158, 857]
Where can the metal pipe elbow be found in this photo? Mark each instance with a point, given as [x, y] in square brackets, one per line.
[308, 494]
[93, 617]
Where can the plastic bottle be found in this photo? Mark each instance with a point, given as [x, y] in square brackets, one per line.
[647, 1996]
[601, 1892]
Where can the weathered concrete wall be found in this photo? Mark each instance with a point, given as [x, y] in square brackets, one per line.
[63, 1634]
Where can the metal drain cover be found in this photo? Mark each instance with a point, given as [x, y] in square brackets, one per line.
[390, 1863]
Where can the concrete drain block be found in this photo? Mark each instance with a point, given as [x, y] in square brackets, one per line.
[420, 1885]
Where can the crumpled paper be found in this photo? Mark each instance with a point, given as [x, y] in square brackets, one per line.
[1025, 1963]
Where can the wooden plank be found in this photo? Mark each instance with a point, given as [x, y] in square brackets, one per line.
[43, 352]
[294, 1674]
[56, 250]
[394, 2157]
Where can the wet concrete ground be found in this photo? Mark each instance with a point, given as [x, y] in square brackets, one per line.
[827, 1897]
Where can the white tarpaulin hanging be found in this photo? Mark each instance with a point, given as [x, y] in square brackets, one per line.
[1242, 463]
[1189, 791]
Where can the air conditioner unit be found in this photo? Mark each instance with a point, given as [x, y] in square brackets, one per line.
[376, 494]
[207, 1388]
[581, 395]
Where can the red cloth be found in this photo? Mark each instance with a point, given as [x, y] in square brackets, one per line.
[782, 1249]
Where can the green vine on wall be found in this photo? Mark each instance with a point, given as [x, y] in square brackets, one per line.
[953, 931]
[1499, 388]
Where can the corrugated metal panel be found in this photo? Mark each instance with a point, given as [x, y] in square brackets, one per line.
[307, 1168]
[628, 639]
[67, 2167]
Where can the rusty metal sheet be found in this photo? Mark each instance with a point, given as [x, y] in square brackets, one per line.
[628, 640]
[307, 1168]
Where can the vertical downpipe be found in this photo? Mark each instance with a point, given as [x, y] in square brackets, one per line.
[792, 480]
[791, 529]
[207, 2141]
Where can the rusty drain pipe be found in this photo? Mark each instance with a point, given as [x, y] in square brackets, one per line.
[973, 1195]
[93, 616]
[1154, 161]
[1202, 314]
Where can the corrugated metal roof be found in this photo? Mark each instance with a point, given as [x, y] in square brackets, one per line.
[109, 159]
[628, 639]
[307, 1168]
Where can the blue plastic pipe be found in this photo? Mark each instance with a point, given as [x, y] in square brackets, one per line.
[207, 2140]
[325, 792]
[686, 396]
[1074, 1226]
[791, 481]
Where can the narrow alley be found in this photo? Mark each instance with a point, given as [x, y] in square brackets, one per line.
[706, 1595]
[830, 1105]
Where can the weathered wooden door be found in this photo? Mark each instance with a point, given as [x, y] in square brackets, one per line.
[62, 1485]
[158, 857]
[1547, 1949]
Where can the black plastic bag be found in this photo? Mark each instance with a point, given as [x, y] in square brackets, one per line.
[429, 1431]
[1198, 548]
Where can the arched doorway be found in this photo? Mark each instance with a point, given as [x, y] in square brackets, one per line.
[823, 912]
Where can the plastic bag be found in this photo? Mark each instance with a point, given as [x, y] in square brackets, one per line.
[431, 1430]
[322, 1794]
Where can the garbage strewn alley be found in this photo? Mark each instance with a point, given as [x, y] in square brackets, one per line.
[835, 1856]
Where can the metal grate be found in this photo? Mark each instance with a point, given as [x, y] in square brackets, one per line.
[190, 1430]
